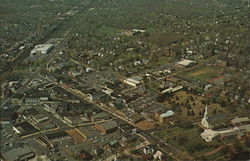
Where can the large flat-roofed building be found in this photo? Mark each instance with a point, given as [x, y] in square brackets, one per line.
[19, 154]
[186, 63]
[24, 128]
[134, 81]
[107, 127]
[42, 49]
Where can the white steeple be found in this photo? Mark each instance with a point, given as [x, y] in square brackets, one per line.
[205, 113]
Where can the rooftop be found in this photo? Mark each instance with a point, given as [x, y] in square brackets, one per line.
[17, 153]
[109, 125]
[167, 114]
[185, 62]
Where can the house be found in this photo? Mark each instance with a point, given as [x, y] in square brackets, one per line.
[125, 140]
[84, 155]
[207, 86]
[107, 127]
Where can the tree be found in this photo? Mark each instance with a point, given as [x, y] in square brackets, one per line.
[192, 113]
[214, 111]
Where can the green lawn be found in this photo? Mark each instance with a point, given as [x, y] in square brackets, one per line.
[108, 31]
[185, 139]
[204, 74]
[164, 60]
[166, 133]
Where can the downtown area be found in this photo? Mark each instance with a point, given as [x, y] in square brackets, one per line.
[125, 80]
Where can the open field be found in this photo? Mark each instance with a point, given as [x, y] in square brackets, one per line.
[187, 102]
[186, 139]
[204, 74]
[145, 125]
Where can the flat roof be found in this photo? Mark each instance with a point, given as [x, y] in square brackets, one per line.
[42, 47]
[109, 125]
[26, 127]
[15, 153]
[57, 135]
[167, 114]
[185, 62]
[133, 81]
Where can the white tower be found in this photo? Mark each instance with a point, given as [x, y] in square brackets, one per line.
[204, 119]
[205, 113]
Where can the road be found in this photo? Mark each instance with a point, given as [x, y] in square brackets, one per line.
[19, 90]
[45, 37]
[165, 147]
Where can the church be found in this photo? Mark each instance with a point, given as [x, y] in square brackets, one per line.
[214, 121]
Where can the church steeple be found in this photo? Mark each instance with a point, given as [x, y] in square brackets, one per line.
[205, 113]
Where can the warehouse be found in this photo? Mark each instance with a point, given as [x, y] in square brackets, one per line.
[107, 127]
[42, 49]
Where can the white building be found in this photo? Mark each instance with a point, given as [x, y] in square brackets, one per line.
[133, 81]
[158, 155]
[172, 89]
[208, 135]
[185, 62]
[42, 49]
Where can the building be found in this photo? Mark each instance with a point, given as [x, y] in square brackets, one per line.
[208, 135]
[167, 116]
[100, 116]
[107, 127]
[186, 63]
[240, 120]
[57, 136]
[134, 81]
[7, 117]
[158, 155]
[84, 155]
[42, 49]
[214, 121]
[136, 118]
[39, 118]
[172, 89]
[21, 153]
[24, 128]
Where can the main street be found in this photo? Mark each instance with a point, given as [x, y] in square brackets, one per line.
[165, 147]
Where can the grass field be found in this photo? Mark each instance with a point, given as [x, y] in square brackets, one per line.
[168, 133]
[108, 31]
[204, 74]
[186, 139]
[164, 60]
[184, 100]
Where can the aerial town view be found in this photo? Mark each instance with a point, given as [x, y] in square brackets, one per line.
[125, 80]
